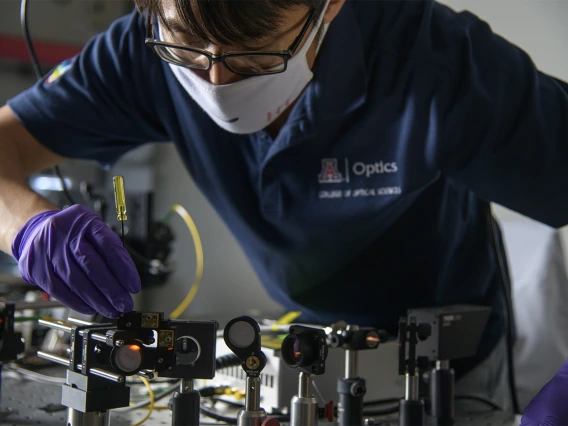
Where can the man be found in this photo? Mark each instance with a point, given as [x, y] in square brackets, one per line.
[352, 148]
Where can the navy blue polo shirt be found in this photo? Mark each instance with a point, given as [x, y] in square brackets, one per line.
[374, 196]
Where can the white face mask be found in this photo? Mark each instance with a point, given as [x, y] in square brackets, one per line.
[249, 105]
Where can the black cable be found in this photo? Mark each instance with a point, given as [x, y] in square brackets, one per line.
[39, 75]
[478, 399]
[28, 39]
[382, 412]
[395, 409]
[381, 401]
[225, 361]
[378, 412]
[506, 287]
[57, 171]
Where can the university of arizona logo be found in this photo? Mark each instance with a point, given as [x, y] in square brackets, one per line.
[329, 172]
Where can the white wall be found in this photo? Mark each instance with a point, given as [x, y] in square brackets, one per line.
[537, 26]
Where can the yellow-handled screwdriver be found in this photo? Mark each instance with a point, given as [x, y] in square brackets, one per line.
[120, 201]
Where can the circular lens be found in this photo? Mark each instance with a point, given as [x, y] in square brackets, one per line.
[241, 334]
[292, 351]
[188, 350]
[372, 339]
[128, 358]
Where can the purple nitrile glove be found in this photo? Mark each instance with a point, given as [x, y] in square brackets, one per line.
[549, 407]
[74, 257]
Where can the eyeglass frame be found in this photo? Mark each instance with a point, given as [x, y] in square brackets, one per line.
[286, 55]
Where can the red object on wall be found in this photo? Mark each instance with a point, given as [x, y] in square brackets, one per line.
[49, 53]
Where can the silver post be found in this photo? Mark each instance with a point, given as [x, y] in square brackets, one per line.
[106, 375]
[93, 418]
[351, 364]
[98, 337]
[304, 407]
[54, 358]
[78, 321]
[411, 388]
[252, 414]
[443, 365]
[186, 386]
[304, 389]
[252, 399]
[56, 326]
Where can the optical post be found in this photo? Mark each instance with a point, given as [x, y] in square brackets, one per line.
[242, 336]
[305, 349]
[352, 388]
[412, 406]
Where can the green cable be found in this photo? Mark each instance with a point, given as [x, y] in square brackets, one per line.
[26, 319]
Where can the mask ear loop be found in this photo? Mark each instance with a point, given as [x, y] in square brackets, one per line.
[325, 27]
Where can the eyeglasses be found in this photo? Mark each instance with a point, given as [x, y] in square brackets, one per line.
[243, 63]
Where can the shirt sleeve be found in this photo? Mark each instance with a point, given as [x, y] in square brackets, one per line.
[101, 103]
[504, 123]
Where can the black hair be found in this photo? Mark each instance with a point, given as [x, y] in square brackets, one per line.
[227, 22]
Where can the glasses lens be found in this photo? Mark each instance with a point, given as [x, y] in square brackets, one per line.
[186, 58]
[255, 64]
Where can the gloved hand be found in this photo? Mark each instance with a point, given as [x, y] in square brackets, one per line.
[549, 407]
[74, 257]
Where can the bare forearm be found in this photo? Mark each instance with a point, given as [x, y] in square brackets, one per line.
[18, 203]
[20, 155]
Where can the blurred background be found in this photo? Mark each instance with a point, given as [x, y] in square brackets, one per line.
[156, 179]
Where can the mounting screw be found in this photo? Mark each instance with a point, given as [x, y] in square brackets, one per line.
[160, 360]
[128, 324]
[252, 363]
[358, 389]
[119, 343]
[170, 368]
